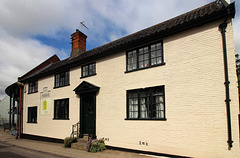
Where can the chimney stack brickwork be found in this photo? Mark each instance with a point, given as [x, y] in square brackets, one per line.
[78, 43]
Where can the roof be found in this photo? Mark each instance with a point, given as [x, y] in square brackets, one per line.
[205, 14]
[40, 67]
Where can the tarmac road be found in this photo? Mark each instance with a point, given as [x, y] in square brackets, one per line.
[11, 151]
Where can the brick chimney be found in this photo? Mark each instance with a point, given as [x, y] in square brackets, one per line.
[78, 43]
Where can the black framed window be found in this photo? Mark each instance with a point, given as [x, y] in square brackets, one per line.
[61, 109]
[62, 79]
[89, 70]
[132, 60]
[33, 87]
[32, 114]
[148, 103]
[144, 57]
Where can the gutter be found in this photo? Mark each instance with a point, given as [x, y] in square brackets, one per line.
[223, 27]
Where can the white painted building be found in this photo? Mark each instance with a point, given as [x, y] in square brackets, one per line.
[159, 90]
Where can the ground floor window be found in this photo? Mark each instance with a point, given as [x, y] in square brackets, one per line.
[147, 103]
[32, 114]
[61, 109]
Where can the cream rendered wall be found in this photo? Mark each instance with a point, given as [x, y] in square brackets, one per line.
[193, 76]
[46, 126]
[194, 87]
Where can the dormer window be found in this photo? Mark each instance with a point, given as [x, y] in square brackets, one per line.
[33, 87]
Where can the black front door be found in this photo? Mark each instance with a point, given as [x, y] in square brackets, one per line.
[88, 114]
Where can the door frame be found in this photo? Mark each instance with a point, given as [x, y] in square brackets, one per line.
[83, 89]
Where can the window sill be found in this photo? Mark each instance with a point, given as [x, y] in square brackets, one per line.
[61, 86]
[32, 122]
[32, 92]
[60, 119]
[145, 67]
[88, 76]
[146, 119]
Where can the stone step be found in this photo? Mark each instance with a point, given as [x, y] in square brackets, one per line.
[80, 145]
[82, 140]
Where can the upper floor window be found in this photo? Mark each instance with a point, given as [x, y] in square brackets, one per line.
[144, 57]
[148, 103]
[89, 70]
[33, 87]
[32, 114]
[61, 109]
[62, 79]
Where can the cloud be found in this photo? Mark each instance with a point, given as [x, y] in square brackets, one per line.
[18, 56]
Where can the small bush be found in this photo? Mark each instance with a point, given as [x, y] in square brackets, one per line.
[95, 145]
[101, 146]
[68, 141]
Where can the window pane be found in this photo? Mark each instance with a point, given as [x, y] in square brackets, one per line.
[32, 87]
[153, 54]
[61, 109]
[32, 114]
[141, 58]
[159, 60]
[62, 79]
[146, 103]
[154, 61]
[132, 60]
[66, 82]
[133, 104]
[94, 68]
[141, 65]
[145, 56]
[144, 107]
[145, 49]
[146, 63]
[57, 79]
[159, 53]
[156, 54]
[90, 70]
[153, 47]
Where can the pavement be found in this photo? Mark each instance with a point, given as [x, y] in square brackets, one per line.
[57, 149]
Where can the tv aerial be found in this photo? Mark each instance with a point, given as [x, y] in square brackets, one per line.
[82, 23]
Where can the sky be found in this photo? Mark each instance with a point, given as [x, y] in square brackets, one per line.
[31, 31]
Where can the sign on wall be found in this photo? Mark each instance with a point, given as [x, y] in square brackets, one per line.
[45, 98]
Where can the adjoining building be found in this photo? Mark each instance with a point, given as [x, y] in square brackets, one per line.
[4, 110]
[170, 88]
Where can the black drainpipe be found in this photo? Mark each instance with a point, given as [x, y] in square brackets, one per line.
[223, 27]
